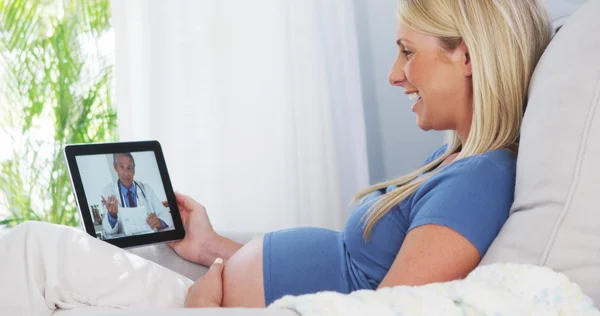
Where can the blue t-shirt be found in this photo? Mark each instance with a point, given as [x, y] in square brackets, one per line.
[472, 196]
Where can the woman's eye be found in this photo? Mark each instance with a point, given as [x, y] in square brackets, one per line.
[406, 52]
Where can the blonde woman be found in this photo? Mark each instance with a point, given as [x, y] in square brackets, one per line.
[467, 64]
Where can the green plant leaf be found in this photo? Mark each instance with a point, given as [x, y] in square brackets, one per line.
[50, 77]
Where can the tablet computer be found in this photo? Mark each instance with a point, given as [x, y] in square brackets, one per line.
[124, 193]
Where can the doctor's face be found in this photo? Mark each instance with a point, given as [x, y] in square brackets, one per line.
[125, 170]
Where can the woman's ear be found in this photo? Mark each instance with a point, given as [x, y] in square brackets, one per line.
[466, 58]
[460, 57]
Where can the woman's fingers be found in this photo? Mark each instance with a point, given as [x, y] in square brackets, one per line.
[187, 202]
[181, 198]
[215, 272]
[208, 290]
[182, 202]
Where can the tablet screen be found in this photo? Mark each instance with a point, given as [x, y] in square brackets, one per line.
[125, 194]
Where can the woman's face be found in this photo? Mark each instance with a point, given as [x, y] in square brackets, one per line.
[441, 79]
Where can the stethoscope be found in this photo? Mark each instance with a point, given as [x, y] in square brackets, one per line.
[136, 185]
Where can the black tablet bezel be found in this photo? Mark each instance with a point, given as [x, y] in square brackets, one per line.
[71, 151]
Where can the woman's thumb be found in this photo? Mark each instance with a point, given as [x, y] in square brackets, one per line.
[216, 267]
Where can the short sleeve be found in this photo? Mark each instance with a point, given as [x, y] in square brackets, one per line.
[471, 196]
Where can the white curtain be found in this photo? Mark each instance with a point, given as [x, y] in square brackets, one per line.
[257, 105]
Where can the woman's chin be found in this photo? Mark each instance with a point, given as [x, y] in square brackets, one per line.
[422, 124]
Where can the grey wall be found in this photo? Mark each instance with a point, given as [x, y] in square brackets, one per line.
[395, 143]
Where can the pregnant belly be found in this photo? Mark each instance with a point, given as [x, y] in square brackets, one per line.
[303, 260]
[243, 277]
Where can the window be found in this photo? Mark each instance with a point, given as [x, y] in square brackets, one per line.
[56, 87]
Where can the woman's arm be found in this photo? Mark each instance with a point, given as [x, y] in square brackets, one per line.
[455, 218]
[429, 254]
[222, 247]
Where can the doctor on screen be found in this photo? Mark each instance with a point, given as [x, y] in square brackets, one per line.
[127, 193]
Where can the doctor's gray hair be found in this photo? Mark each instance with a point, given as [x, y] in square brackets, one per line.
[126, 155]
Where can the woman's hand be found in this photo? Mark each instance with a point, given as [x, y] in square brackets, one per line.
[208, 290]
[200, 238]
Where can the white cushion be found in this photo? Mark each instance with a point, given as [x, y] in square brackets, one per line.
[561, 10]
[103, 311]
[555, 219]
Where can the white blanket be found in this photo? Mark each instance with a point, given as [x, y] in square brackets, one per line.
[498, 289]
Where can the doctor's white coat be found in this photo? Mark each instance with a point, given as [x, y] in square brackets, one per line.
[150, 200]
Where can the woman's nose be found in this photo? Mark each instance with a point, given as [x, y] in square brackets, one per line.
[397, 77]
[395, 81]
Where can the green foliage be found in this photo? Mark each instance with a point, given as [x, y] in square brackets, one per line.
[56, 89]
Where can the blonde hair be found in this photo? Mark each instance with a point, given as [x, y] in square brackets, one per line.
[505, 39]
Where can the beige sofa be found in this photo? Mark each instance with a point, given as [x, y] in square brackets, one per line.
[555, 219]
